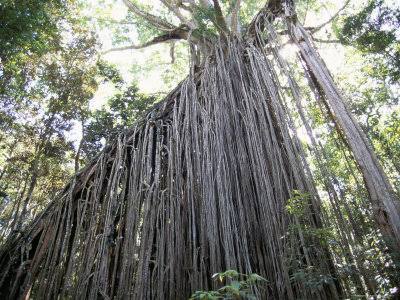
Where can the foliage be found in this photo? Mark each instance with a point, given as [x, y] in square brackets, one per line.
[298, 203]
[312, 278]
[122, 110]
[50, 71]
[46, 85]
[110, 73]
[374, 30]
[30, 26]
[239, 286]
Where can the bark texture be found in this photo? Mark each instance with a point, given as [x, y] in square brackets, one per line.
[386, 205]
[198, 186]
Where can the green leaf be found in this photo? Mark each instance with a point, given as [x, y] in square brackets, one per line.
[255, 277]
[231, 274]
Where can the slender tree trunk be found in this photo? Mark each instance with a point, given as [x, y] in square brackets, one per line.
[34, 168]
[32, 185]
[386, 206]
[16, 206]
[79, 150]
[78, 156]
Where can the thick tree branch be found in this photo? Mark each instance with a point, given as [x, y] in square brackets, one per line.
[219, 17]
[315, 29]
[105, 20]
[326, 41]
[175, 10]
[172, 52]
[177, 34]
[235, 17]
[154, 20]
[272, 9]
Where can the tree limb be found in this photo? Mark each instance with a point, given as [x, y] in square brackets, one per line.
[177, 34]
[172, 52]
[326, 41]
[178, 14]
[105, 20]
[219, 17]
[154, 20]
[315, 29]
[273, 8]
[235, 17]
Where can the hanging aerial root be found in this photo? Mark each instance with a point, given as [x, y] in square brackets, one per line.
[198, 186]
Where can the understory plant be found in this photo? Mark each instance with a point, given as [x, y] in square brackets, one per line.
[237, 286]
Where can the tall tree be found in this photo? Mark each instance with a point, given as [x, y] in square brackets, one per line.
[372, 32]
[213, 177]
[120, 113]
[383, 197]
[46, 84]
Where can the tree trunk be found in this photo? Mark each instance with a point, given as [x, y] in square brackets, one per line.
[385, 204]
[199, 186]
[78, 154]
[32, 184]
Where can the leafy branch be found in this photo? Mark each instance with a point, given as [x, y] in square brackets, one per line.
[240, 286]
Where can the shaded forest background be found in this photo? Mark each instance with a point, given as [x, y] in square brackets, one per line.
[57, 58]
